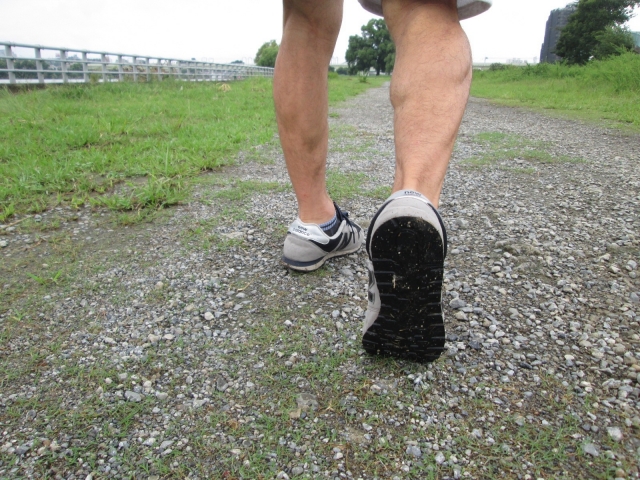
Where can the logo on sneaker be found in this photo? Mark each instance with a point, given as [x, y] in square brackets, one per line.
[300, 230]
[339, 242]
[412, 193]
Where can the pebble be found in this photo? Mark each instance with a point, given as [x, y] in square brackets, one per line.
[307, 401]
[457, 303]
[615, 433]
[414, 451]
[132, 396]
[221, 384]
[591, 449]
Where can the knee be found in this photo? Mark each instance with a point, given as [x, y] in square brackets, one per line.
[320, 19]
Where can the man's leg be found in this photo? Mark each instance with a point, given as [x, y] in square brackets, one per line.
[429, 89]
[406, 240]
[300, 93]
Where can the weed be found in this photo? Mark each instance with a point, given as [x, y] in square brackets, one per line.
[46, 280]
[7, 212]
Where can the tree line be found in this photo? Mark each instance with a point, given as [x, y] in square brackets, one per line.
[596, 30]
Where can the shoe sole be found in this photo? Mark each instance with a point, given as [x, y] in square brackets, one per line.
[408, 260]
[316, 265]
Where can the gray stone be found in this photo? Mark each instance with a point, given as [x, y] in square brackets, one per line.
[414, 451]
[221, 384]
[457, 303]
[22, 449]
[166, 444]
[615, 433]
[306, 402]
[590, 449]
[132, 396]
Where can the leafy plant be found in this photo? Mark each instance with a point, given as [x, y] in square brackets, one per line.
[46, 280]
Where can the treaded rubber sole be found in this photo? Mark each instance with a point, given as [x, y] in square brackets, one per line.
[408, 262]
[311, 266]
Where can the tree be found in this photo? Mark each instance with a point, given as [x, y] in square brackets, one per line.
[579, 38]
[613, 41]
[267, 53]
[373, 49]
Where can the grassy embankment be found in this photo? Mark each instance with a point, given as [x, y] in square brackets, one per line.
[602, 90]
[130, 147]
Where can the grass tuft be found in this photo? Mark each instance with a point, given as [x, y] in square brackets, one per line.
[511, 150]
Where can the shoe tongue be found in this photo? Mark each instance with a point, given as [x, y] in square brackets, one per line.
[340, 215]
[408, 193]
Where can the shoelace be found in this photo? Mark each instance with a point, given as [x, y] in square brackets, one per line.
[345, 216]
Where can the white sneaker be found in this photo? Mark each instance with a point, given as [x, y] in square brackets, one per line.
[307, 246]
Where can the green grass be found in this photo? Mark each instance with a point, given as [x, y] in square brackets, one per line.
[130, 147]
[507, 149]
[343, 186]
[601, 90]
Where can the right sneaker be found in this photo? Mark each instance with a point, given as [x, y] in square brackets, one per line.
[307, 246]
[406, 244]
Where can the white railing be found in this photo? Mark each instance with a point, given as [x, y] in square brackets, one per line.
[23, 64]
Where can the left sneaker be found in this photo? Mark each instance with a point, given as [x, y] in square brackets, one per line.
[406, 243]
[307, 246]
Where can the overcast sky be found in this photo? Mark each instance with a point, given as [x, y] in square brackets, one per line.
[223, 31]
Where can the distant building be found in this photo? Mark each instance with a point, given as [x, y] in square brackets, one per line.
[556, 22]
[636, 39]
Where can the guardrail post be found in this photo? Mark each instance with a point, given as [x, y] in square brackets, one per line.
[120, 69]
[39, 65]
[185, 70]
[63, 66]
[9, 54]
[103, 59]
[85, 68]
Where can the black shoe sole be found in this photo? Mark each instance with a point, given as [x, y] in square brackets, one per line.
[408, 262]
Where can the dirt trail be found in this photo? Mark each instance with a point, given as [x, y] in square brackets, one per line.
[184, 348]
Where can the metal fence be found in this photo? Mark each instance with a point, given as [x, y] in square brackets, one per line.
[37, 64]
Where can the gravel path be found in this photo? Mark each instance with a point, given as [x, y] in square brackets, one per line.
[183, 348]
